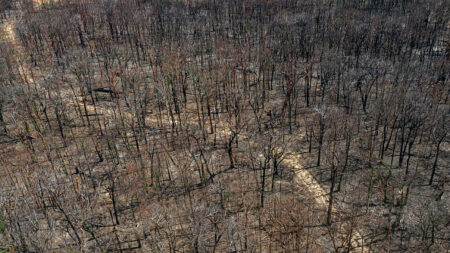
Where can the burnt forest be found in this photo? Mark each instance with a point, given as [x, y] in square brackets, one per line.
[224, 126]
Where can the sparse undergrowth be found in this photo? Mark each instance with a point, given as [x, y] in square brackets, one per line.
[224, 126]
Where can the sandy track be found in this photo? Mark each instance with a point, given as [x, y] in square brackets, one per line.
[10, 35]
[319, 194]
[304, 178]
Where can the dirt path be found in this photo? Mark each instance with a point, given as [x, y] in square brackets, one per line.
[303, 177]
[10, 35]
[318, 193]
